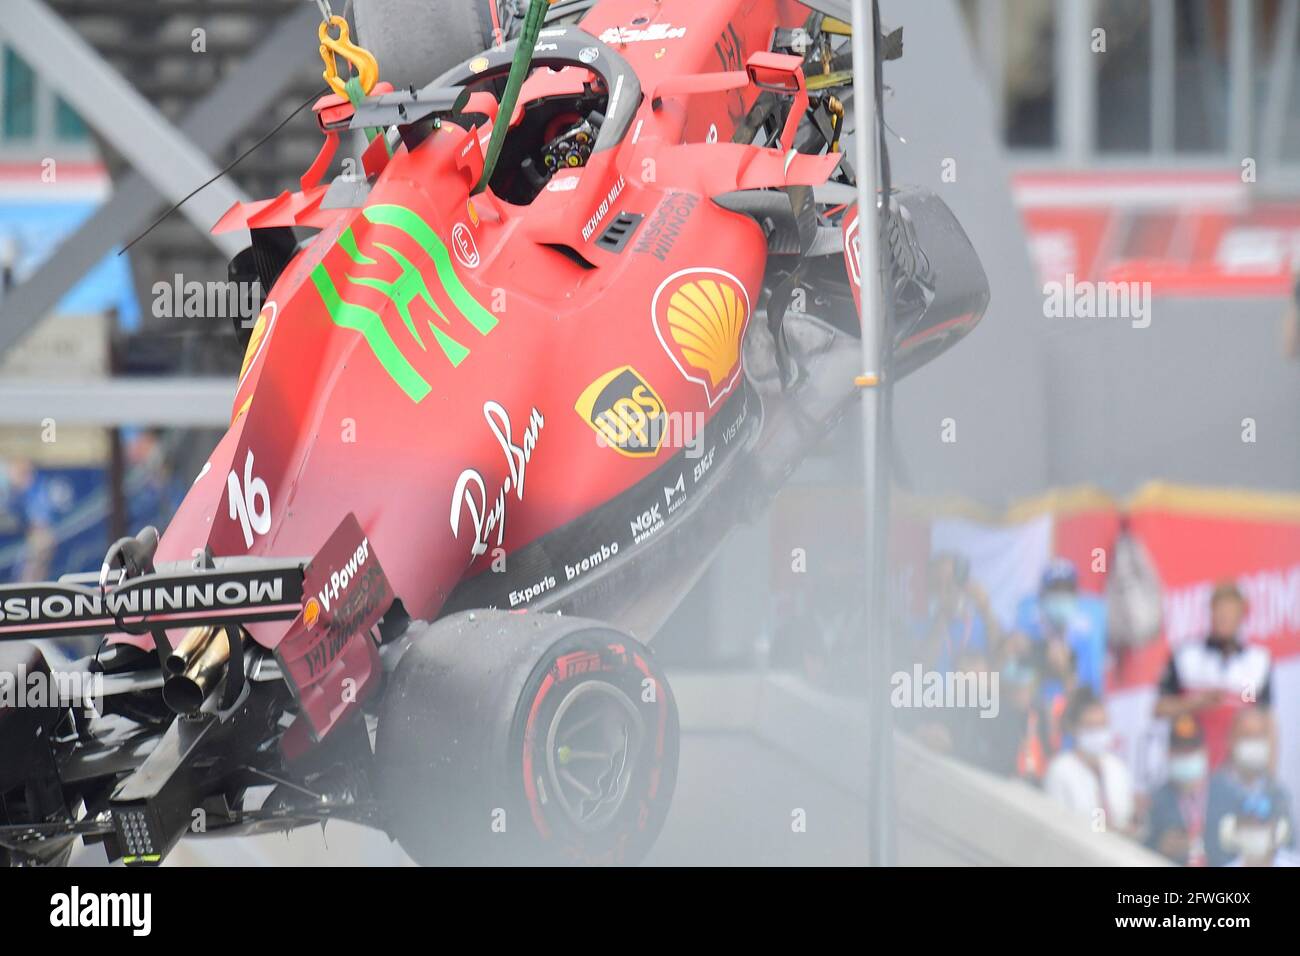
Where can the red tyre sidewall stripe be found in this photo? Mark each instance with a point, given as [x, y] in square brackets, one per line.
[530, 739]
[530, 735]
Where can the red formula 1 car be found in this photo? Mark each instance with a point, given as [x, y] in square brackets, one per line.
[504, 400]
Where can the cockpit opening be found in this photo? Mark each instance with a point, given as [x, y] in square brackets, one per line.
[554, 129]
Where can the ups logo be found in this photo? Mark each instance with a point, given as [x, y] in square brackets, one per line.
[625, 413]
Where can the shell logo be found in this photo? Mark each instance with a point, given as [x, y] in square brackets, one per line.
[264, 319]
[700, 316]
[256, 341]
[311, 612]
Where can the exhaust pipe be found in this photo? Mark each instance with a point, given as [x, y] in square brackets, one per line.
[203, 667]
[192, 646]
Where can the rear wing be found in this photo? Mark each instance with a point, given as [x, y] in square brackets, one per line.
[235, 590]
[333, 601]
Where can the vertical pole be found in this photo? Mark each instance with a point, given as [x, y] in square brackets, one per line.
[992, 18]
[4, 58]
[117, 516]
[875, 408]
[1076, 83]
[1241, 71]
[1281, 71]
[1163, 85]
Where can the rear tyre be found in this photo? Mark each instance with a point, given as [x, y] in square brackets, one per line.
[416, 41]
[526, 738]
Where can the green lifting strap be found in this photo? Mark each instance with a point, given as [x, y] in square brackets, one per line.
[518, 73]
[356, 95]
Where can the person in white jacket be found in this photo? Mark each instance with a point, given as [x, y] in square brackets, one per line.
[1089, 778]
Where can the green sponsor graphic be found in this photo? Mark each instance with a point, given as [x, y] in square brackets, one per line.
[409, 286]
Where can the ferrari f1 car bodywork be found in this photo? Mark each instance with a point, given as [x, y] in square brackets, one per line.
[465, 409]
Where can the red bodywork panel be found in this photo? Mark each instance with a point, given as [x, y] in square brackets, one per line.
[420, 363]
[327, 655]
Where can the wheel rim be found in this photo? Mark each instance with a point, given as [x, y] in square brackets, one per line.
[591, 750]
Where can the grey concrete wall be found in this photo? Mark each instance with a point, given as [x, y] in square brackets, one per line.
[1128, 405]
[1042, 402]
[993, 384]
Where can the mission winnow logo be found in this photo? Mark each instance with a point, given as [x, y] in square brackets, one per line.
[66, 609]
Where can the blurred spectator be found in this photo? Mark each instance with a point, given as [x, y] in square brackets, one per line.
[1247, 772]
[1216, 678]
[1034, 729]
[958, 617]
[1059, 613]
[28, 503]
[1089, 778]
[987, 738]
[1059, 680]
[1259, 832]
[9, 256]
[1178, 808]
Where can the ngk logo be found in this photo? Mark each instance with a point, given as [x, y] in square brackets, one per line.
[646, 524]
[646, 520]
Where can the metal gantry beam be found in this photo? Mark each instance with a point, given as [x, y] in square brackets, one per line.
[243, 96]
[111, 403]
[109, 103]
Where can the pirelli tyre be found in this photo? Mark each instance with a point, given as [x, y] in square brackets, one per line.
[519, 738]
[416, 41]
